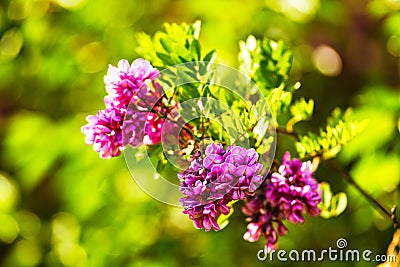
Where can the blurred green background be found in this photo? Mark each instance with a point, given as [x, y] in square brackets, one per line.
[61, 205]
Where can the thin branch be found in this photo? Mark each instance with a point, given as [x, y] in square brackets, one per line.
[391, 214]
[284, 131]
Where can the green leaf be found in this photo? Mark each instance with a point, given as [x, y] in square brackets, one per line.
[176, 59]
[177, 44]
[206, 91]
[331, 205]
[341, 129]
[339, 203]
[278, 101]
[210, 56]
[266, 62]
[166, 59]
[195, 50]
[167, 44]
[300, 110]
[326, 195]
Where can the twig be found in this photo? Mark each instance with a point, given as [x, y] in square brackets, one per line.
[391, 214]
[284, 131]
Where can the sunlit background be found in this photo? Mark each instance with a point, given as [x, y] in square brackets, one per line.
[61, 205]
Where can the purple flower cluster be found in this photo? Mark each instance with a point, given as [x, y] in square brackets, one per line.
[107, 131]
[215, 178]
[285, 195]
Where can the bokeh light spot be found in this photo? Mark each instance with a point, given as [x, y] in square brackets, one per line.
[10, 44]
[8, 229]
[393, 45]
[18, 10]
[65, 228]
[70, 4]
[92, 57]
[23, 9]
[304, 6]
[71, 254]
[27, 253]
[8, 194]
[299, 10]
[29, 224]
[128, 190]
[327, 60]
[393, 4]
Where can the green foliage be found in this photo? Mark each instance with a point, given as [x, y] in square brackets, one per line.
[340, 130]
[331, 205]
[178, 44]
[266, 62]
[278, 100]
[300, 110]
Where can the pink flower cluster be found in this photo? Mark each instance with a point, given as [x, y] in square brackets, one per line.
[132, 110]
[285, 195]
